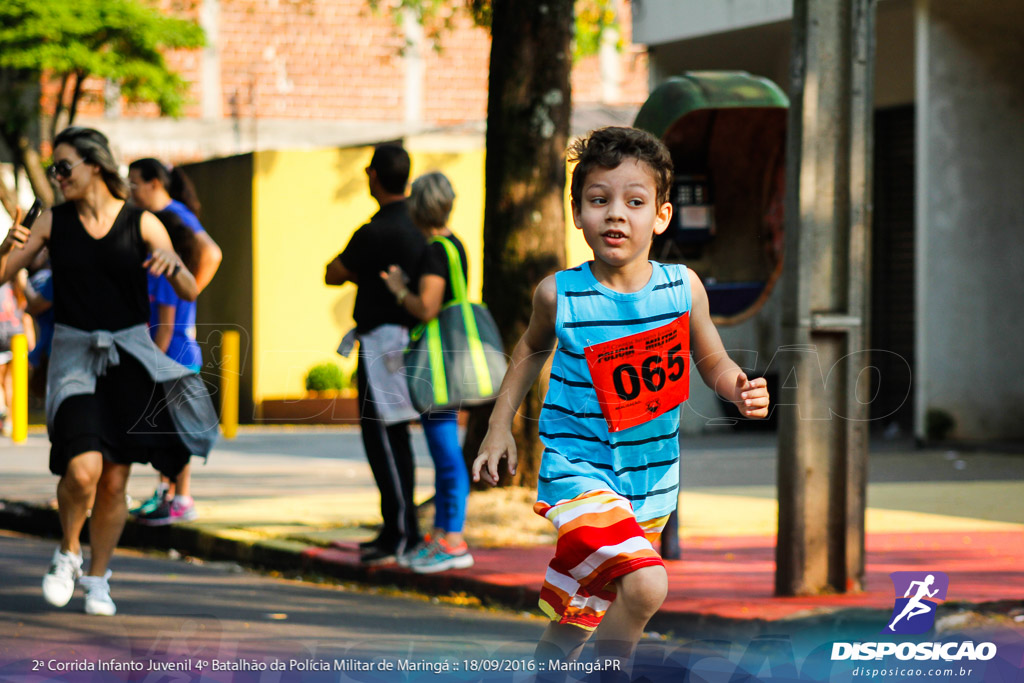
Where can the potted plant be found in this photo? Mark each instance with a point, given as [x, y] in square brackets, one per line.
[330, 399]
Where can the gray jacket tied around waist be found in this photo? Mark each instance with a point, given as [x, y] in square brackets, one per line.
[79, 357]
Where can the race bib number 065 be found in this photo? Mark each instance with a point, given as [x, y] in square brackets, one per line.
[642, 376]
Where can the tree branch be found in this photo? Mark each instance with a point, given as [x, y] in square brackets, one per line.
[76, 95]
[59, 106]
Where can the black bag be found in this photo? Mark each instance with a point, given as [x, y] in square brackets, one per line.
[457, 359]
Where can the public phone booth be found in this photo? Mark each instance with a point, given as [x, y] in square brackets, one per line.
[726, 131]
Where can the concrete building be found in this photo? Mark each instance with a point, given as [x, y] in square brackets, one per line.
[948, 230]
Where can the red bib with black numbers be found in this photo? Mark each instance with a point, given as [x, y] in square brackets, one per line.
[642, 376]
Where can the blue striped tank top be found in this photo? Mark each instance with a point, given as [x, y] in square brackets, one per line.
[580, 455]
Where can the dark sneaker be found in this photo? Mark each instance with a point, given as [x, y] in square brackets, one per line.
[378, 555]
[373, 542]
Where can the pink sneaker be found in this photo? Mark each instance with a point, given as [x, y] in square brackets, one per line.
[170, 512]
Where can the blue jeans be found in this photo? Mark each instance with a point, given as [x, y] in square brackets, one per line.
[451, 478]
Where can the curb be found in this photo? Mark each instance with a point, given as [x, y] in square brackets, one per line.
[296, 559]
[288, 557]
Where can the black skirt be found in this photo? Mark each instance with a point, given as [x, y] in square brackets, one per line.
[126, 420]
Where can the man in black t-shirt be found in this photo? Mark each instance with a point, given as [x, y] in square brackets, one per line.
[389, 238]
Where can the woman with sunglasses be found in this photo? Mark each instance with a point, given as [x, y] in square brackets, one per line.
[112, 397]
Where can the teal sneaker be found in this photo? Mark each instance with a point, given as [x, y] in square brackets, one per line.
[151, 504]
[441, 557]
[422, 550]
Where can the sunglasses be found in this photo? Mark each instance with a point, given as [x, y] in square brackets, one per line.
[62, 169]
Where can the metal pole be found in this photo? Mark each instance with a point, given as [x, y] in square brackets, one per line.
[823, 421]
[229, 374]
[19, 382]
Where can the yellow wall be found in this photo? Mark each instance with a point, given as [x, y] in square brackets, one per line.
[306, 206]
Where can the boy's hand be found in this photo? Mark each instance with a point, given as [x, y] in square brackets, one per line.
[496, 445]
[753, 396]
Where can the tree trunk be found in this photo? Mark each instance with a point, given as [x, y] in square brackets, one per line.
[76, 95]
[528, 110]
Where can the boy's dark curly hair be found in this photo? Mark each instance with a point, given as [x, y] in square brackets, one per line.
[608, 147]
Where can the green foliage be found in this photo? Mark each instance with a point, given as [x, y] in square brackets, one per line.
[325, 377]
[120, 40]
[437, 17]
[593, 18]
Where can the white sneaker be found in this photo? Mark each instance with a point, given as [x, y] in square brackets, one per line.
[59, 582]
[97, 595]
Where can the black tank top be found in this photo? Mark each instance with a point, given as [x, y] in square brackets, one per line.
[98, 284]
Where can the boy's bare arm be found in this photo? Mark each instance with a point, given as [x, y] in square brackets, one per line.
[717, 370]
[528, 359]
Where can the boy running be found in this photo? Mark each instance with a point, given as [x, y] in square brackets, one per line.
[625, 328]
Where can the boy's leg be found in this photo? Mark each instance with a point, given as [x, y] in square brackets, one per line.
[560, 642]
[640, 595]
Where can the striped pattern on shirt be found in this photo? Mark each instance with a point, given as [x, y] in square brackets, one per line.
[581, 455]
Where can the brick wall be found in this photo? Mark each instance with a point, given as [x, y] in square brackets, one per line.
[455, 79]
[586, 73]
[316, 59]
[336, 60]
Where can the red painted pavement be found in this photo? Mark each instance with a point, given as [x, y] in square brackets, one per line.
[733, 577]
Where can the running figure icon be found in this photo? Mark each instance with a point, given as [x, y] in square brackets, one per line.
[915, 605]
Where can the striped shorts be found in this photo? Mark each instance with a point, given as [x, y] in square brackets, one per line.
[599, 540]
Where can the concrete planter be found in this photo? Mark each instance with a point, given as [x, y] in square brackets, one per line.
[314, 408]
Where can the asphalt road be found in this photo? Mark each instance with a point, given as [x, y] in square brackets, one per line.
[178, 612]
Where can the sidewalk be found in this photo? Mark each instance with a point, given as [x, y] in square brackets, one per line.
[299, 500]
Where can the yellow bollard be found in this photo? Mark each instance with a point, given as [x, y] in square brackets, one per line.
[19, 378]
[229, 375]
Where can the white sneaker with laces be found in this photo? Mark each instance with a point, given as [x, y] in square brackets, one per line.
[97, 595]
[59, 582]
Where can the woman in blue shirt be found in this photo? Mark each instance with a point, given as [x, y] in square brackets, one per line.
[170, 195]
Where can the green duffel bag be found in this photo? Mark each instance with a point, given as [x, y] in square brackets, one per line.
[456, 360]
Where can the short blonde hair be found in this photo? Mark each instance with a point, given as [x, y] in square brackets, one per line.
[430, 200]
